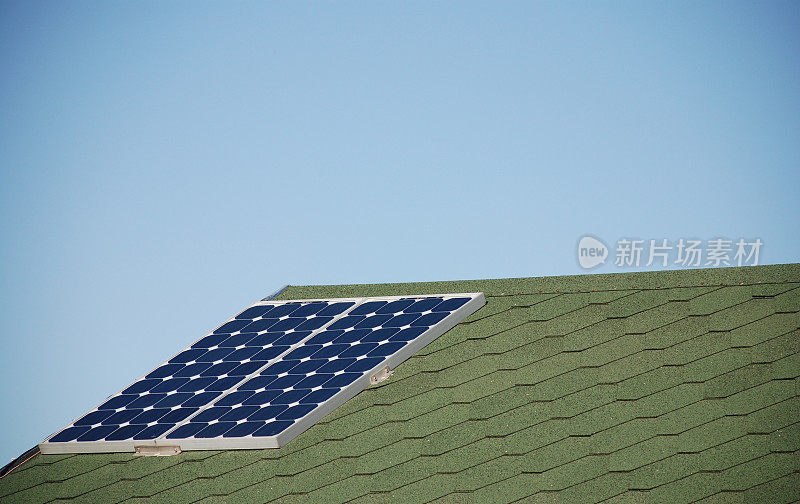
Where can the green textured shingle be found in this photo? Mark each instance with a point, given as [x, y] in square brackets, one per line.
[674, 387]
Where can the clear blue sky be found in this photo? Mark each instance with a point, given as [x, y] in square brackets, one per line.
[164, 164]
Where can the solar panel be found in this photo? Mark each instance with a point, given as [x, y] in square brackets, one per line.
[265, 375]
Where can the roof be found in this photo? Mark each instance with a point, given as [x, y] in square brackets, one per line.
[674, 386]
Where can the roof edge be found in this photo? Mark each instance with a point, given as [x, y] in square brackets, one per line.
[772, 273]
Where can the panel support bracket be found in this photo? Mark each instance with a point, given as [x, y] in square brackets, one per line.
[157, 451]
[380, 376]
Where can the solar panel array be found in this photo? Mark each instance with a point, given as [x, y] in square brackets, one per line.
[266, 375]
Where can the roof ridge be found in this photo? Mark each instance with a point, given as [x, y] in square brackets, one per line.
[593, 282]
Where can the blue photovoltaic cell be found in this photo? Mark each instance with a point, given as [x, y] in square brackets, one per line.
[303, 379]
[194, 378]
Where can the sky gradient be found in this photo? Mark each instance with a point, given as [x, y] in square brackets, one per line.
[165, 164]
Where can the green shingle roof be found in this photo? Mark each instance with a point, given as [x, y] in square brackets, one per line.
[676, 386]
